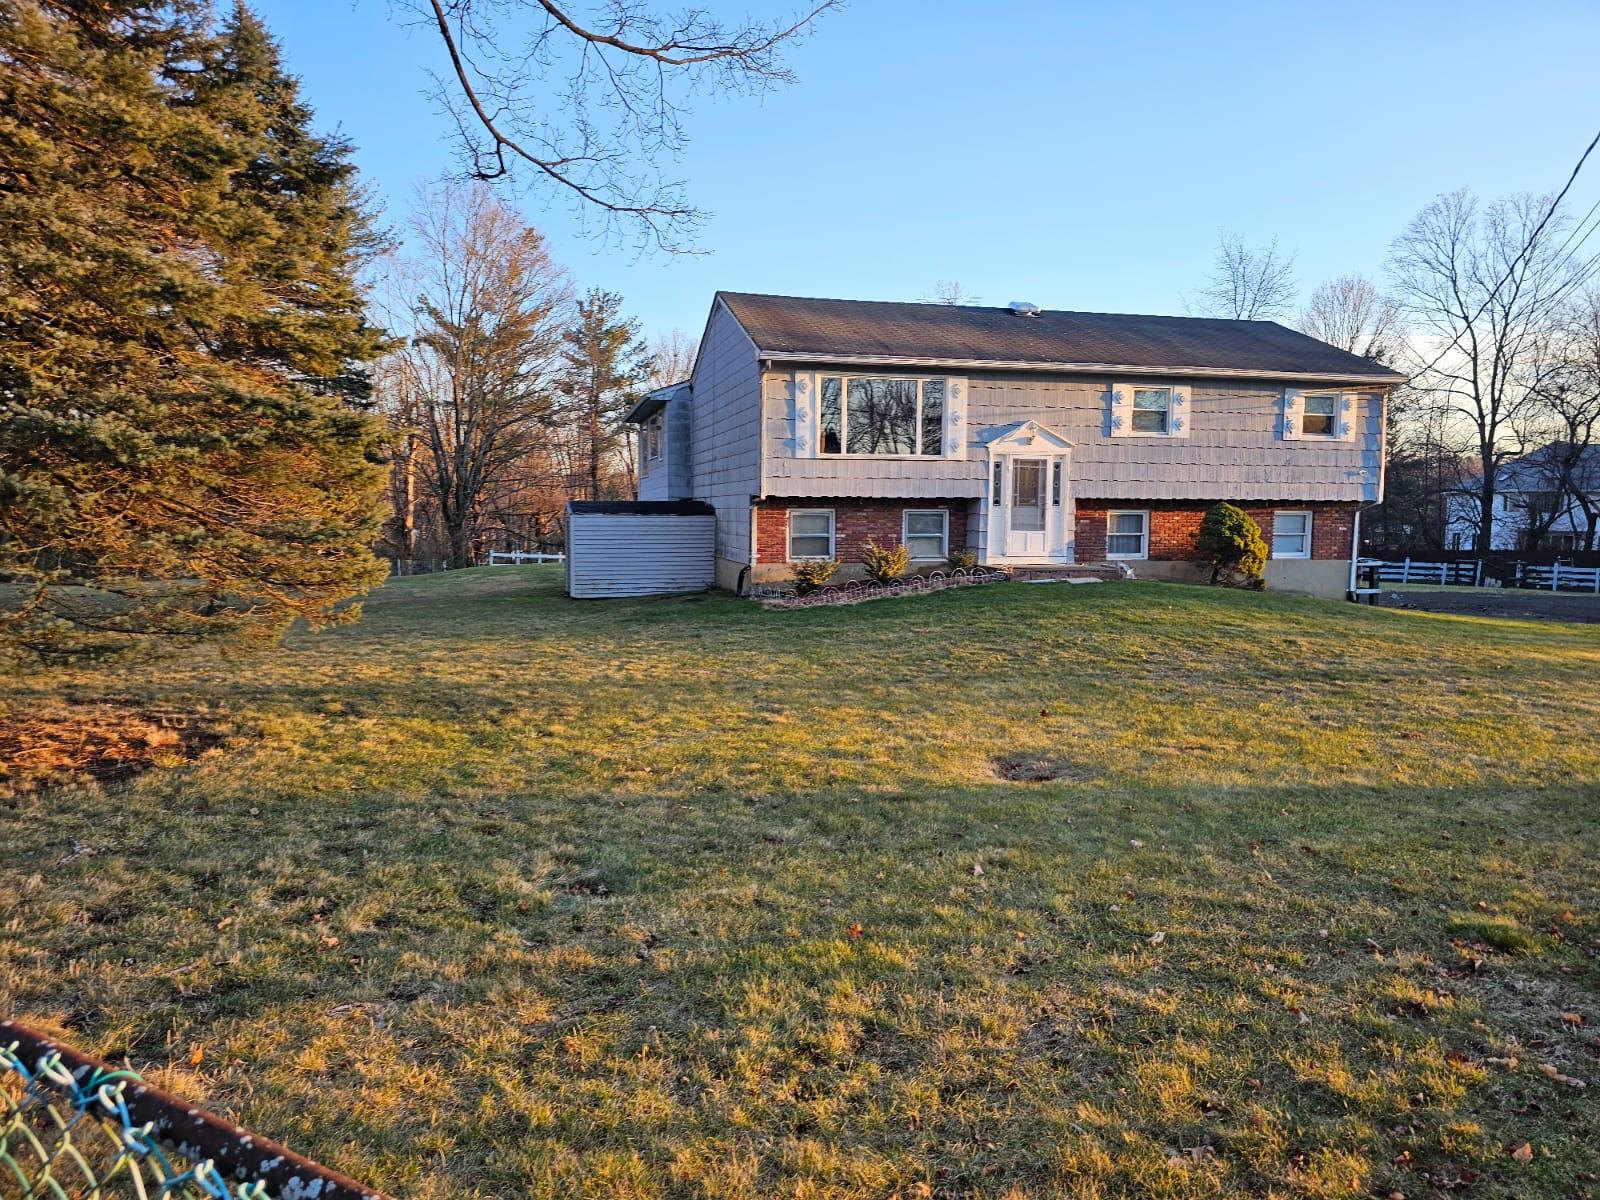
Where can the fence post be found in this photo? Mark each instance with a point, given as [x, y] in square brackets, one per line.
[1555, 577]
[1405, 570]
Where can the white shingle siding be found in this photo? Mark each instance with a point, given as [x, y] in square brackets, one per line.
[639, 554]
[725, 450]
[1234, 448]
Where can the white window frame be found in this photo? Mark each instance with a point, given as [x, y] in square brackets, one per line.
[1292, 512]
[1144, 533]
[1134, 410]
[656, 434]
[945, 448]
[1333, 421]
[944, 532]
[788, 535]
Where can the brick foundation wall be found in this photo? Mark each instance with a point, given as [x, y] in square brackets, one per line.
[855, 522]
[1175, 527]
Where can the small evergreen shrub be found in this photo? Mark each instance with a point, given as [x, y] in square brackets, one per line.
[885, 564]
[1232, 543]
[809, 576]
[963, 560]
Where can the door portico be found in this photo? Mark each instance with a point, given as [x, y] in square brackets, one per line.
[1026, 513]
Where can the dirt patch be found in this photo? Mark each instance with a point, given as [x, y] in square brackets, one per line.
[1039, 768]
[1516, 603]
[108, 742]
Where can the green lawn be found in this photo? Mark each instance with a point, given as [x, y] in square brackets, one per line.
[498, 894]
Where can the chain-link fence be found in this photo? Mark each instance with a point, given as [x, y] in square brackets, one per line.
[73, 1128]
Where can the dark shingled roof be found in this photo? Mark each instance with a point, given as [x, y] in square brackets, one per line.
[794, 327]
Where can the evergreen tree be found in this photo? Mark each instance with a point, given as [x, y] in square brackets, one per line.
[180, 331]
[606, 364]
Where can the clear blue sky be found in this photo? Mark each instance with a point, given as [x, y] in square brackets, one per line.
[1080, 155]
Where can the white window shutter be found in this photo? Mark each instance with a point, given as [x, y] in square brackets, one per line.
[1293, 407]
[1348, 418]
[1121, 409]
[955, 418]
[1181, 415]
[806, 407]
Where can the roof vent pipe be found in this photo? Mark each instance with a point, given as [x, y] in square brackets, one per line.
[1025, 308]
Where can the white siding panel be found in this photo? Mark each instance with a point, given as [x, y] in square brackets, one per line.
[724, 462]
[639, 554]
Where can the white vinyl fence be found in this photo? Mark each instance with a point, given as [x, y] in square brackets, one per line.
[1562, 579]
[1415, 571]
[518, 558]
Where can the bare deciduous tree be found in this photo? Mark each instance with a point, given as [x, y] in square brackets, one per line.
[1567, 465]
[1247, 283]
[1352, 314]
[1486, 288]
[950, 291]
[595, 107]
[477, 379]
[672, 358]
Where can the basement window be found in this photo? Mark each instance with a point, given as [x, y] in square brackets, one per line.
[1127, 535]
[926, 533]
[1291, 534]
[810, 534]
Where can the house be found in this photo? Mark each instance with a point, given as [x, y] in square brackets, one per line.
[1539, 502]
[1034, 438]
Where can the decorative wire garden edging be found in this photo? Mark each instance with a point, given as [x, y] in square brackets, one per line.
[71, 1127]
[857, 590]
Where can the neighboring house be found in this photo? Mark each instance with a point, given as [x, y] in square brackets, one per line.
[1535, 505]
[1035, 438]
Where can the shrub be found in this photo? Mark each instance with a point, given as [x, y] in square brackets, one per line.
[885, 564]
[809, 576]
[1231, 542]
[963, 560]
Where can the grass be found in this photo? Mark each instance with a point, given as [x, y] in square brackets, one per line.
[499, 894]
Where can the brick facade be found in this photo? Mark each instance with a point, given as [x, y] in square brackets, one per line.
[1175, 527]
[855, 522]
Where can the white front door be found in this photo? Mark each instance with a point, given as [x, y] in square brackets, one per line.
[1027, 514]
[1030, 510]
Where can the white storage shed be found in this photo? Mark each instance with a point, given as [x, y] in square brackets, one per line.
[639, 547]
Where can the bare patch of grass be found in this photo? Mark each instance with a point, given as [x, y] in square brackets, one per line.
[1039, 768]
[61, 742]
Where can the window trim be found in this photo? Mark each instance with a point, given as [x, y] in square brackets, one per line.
[944, 532]
[844, 379]
[1144, 533]
[656, 435]
[1333, 418]
[788, 535]
[1293, 512]
[1134, 410]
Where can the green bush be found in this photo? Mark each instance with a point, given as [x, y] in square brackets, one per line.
[809, 576]
[1231, 542]
[963, 560]
[885, 564]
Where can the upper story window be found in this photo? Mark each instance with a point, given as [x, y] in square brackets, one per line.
[1149, 410]
[655, 435]
[1320, 417]
[881, 415]
[1152, 409]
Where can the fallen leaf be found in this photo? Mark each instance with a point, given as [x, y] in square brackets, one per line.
[329, 942]
[1158, 937]
[1553, 1072]
[977, 868]
[196, 1055]
[1136, 843]
[855, 930]
[1572, 1018]
[1523, 1153]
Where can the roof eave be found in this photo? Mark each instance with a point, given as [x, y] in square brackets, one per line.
[1387, 379]
[652, 403]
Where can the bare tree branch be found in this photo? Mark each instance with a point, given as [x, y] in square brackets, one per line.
[1248, 283]
[595, 107]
